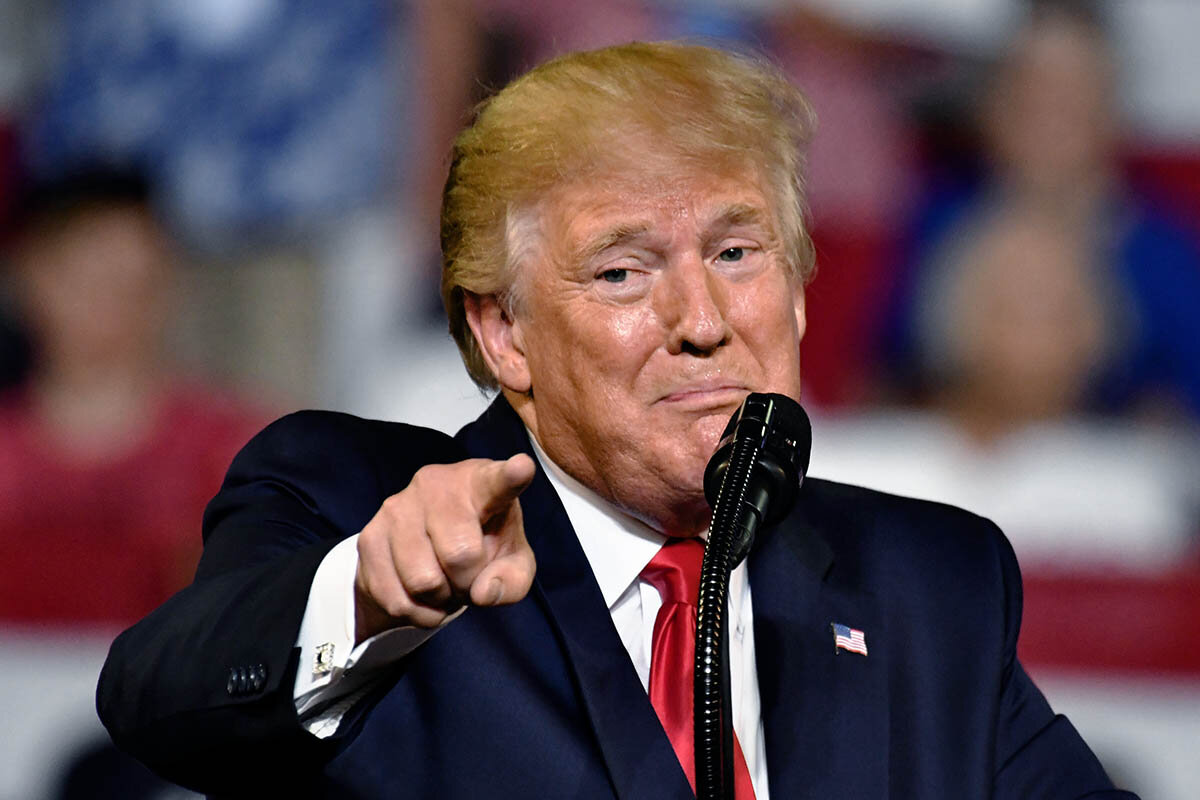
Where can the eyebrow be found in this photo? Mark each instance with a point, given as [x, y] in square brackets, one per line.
[740, 214]
[613, 237]
[730, 216]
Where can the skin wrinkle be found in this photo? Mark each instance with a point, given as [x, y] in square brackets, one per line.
[631, 234]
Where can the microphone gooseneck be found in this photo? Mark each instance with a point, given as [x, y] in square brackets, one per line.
[751, 480]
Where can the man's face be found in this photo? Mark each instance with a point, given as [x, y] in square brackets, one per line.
[652, 308]
[95, 289]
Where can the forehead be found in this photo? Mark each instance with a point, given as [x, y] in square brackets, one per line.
[690, 199]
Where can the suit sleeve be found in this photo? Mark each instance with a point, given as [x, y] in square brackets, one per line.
[1038, 754]
[201, 690]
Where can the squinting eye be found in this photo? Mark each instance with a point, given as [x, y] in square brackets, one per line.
[732, 254]
[615, 275]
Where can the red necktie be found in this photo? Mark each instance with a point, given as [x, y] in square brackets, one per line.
[675, 573]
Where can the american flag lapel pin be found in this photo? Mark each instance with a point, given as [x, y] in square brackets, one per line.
[849, 639]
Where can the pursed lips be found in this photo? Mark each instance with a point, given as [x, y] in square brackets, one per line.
[707, 393]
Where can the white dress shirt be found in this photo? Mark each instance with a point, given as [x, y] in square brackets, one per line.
[334, 673]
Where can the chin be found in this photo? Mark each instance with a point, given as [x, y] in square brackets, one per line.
[691, 472]
[709, 429]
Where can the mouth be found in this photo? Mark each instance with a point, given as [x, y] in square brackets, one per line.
[701, 395]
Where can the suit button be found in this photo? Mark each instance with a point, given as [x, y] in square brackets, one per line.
[258, 677]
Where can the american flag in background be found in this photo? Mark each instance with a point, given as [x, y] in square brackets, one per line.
[850, 639]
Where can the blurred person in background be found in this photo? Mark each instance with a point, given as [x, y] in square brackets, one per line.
[1014, 322]
[1051, 131]
[1049, 307]
[106, 455]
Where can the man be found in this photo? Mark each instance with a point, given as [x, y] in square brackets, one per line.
[105, 449]
[624, 259]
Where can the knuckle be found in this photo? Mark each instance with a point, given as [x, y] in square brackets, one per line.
[375, 534]
[395, 506]
[398, 606]
[424, 582]
[419, 479]
[432, 475]
[462, 551]
[438, 485]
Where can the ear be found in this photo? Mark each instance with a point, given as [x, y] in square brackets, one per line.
[500, 339]
[798, 304]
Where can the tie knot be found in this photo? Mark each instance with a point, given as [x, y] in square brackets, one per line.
[675, 571]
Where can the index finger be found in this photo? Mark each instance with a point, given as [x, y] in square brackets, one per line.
[495, 485]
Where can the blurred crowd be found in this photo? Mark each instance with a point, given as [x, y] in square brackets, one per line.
[217, 211]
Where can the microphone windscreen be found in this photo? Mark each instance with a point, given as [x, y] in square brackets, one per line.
[782, 435]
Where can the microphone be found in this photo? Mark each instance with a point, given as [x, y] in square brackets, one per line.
[758, 466]
[751, 480]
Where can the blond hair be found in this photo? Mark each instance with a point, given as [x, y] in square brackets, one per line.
[558, 123]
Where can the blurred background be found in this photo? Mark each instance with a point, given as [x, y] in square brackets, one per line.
[217, 211]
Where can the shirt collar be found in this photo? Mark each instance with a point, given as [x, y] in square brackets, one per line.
[617, 546]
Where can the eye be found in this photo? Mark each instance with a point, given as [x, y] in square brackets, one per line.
[614, 275]
[732, 254]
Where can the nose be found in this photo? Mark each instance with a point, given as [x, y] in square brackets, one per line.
[693, 307]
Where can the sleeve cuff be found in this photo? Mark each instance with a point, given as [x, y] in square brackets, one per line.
[332, 669]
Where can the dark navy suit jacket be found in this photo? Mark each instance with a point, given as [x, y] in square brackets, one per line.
[540, 699]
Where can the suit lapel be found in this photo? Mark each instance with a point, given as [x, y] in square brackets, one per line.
[635, 748]
[825, 712]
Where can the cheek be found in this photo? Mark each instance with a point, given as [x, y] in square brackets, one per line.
[629, 329]
[768, 322]
[592, 356]
[609, 340]
[766, 315]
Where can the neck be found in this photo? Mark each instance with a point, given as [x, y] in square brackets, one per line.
[685, 518]
[92, 411]
[1077, 201]
[987, 422]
